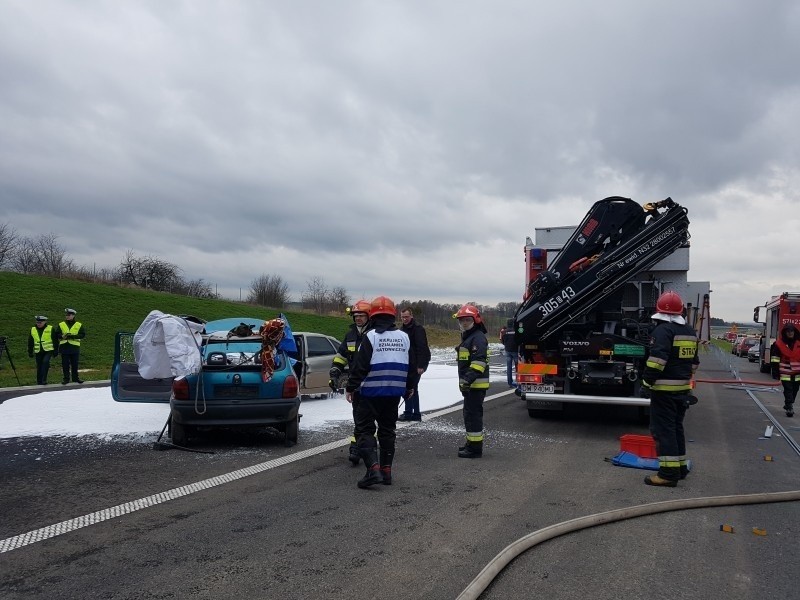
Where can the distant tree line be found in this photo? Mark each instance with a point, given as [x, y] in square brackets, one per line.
[44, 255]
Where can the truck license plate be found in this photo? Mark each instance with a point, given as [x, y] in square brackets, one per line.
[539, 388]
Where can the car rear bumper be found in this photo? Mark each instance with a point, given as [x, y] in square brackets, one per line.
[235, 412]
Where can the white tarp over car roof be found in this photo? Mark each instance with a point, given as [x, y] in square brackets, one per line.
[167, 346]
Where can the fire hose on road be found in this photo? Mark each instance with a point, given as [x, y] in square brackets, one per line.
[510, 552]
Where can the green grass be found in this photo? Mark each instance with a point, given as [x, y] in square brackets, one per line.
[104, 310]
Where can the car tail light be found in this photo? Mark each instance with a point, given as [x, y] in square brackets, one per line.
[180, 389]
[290, 387]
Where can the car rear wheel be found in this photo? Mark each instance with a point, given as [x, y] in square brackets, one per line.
[292, 431]
[178, 433]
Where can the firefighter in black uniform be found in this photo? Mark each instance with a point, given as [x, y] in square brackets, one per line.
[344, 358]
[473, 377]
[785, 355]
[668, 378]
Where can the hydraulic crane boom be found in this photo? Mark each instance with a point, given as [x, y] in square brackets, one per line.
[616, 240]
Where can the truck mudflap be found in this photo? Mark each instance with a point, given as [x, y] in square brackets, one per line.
[536, 400]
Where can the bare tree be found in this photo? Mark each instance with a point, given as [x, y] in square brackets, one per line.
[196, 288]
[8, 242]
[338, 299]
[53, 258]
[269, 290]
[24, 258]
[150, 272]
[315, 295]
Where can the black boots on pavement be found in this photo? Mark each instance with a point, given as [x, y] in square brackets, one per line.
[373, 474]
[471, 450]
[354, 455]
[377, 472]
[789, 408]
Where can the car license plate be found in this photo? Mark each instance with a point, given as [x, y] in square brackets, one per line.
[236, 391]
[535, 388]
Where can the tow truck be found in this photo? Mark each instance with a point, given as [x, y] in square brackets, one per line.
[581, 336]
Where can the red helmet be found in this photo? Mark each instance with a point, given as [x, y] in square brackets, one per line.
[669, 303]
[359, 306]
[469, 310]
[382, 305]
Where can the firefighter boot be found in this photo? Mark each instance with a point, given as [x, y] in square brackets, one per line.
[354, 455]
[387, 456]
[373, 474]
[789, 408]
[471, 450]
[660, 481]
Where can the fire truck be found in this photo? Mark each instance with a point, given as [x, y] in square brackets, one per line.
[777, 311]
[583, 327]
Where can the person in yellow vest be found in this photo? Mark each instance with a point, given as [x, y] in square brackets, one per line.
[68, 339]
[42, 347]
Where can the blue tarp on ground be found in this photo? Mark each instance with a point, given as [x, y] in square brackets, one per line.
[629, 459]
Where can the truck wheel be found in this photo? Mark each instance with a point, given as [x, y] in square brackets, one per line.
[292, 431]
[534, 413]
[178, 433]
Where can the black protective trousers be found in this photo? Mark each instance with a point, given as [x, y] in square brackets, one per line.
[473, 410]
[790, 389]
[667, 411]
[376, 413]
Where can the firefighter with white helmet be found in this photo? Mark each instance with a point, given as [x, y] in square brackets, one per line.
[473, 376]
[345, 355]
[668, 379]
[379, 375]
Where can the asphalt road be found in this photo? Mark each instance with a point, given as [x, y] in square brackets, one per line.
[173, 524]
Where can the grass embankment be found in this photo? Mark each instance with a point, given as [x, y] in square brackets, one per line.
[104, 310]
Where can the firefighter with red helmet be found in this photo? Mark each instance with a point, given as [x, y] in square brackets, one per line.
[668, 378]
[343, 360]
[379, 375]
[786, 354]
[473, 376]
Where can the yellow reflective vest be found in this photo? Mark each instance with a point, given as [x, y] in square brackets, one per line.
[43, 342]
[73, 331]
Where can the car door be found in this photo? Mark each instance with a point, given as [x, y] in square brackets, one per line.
[126, 383]
[318, 353]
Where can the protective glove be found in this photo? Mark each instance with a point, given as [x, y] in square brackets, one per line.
[649, 381]
[644, 392]
[689, 400]
[463, 387]
[334, 373]
[470, 376]
[332, 385]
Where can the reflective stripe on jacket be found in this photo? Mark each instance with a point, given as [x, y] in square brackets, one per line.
[789, 359]
[45, 342]
[673, 358]
[346, 353]
[473, 355]
[73, 331]
[388, 364]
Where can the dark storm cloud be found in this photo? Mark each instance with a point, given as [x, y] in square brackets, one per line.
[390, 145]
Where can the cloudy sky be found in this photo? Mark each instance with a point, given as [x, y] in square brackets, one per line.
[400, 148]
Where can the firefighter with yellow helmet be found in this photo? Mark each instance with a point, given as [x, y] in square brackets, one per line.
[668, 379]
[473, 376]
[345, 355]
